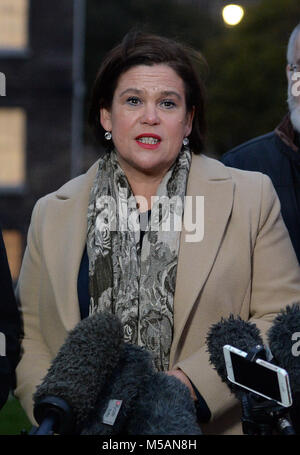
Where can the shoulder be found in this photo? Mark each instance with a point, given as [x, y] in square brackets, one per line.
[213, 169]
[72, 188]
[252, 144]
[250, 188]
[253, 188]
[254, 148]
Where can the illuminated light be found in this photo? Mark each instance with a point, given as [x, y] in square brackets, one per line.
[232, 14]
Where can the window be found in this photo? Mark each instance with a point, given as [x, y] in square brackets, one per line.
[13, 24]
[13, 244]
[12, 147]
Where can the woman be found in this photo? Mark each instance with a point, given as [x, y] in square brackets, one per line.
[167, 286]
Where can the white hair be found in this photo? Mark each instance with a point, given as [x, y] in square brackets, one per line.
[293, 101]
[291, 44]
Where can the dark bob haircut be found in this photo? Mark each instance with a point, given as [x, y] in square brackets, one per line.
[138, 48]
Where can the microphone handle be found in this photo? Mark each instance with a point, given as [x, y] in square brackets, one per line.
[47, 424]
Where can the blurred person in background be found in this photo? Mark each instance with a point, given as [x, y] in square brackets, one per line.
[167, 286]
[277, 153]
[10, 328]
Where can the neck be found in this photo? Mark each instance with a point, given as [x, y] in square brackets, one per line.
[143, 190]
[143, 185]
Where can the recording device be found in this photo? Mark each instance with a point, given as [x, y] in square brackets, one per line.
[233, 331]
[259, 416]
[258, 376]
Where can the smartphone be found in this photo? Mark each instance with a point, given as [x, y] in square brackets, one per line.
[260, 377]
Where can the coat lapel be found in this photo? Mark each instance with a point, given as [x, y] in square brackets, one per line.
[69, 212]
[210, 179]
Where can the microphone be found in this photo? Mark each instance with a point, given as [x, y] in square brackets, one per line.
[148, 402]
[259, 417]
[236, 332]
[281, 341]
[165, 407]
[123, 388]
[282, 338]
[79, 371]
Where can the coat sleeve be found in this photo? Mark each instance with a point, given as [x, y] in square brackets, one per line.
[35, 356]
[275, 283]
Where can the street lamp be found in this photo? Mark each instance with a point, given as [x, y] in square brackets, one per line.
[232, 14]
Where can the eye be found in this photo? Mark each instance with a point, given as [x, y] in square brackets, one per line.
[168, 104]
[133, 100]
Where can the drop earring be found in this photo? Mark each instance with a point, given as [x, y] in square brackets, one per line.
[186, 141]
[107, 135]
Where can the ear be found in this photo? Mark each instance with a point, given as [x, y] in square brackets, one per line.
[189, 122]
[105, 119]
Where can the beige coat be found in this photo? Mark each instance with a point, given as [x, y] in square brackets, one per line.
[244, 265]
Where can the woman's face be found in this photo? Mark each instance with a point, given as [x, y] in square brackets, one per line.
[148, 119]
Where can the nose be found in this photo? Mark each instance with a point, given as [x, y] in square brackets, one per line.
[150, 115]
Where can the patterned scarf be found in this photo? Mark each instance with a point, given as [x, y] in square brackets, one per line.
[137, 283]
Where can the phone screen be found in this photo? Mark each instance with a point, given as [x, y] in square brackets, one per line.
[255, 377]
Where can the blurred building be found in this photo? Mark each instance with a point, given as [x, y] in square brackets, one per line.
[41, 49]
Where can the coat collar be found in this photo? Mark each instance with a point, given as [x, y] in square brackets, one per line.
[208, 178]
[286, 133]
[211, 179]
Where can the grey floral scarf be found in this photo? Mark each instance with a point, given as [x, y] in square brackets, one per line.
[136, 282]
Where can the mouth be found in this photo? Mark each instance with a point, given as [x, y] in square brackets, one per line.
[149, 141]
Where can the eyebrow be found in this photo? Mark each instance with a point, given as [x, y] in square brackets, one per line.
[139, 92]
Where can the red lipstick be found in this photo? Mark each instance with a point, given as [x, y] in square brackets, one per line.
[148, 141]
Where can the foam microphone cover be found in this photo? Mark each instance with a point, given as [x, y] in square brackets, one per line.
[83, 364]
[281, 342]
[165, 407]
[152, 403]
[236, 332]
[135, 364]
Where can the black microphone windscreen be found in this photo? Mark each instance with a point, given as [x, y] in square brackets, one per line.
[152, 403]
[124, 385]
[165, 407]
[282, 343]
[238, 333]
[83, 363]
